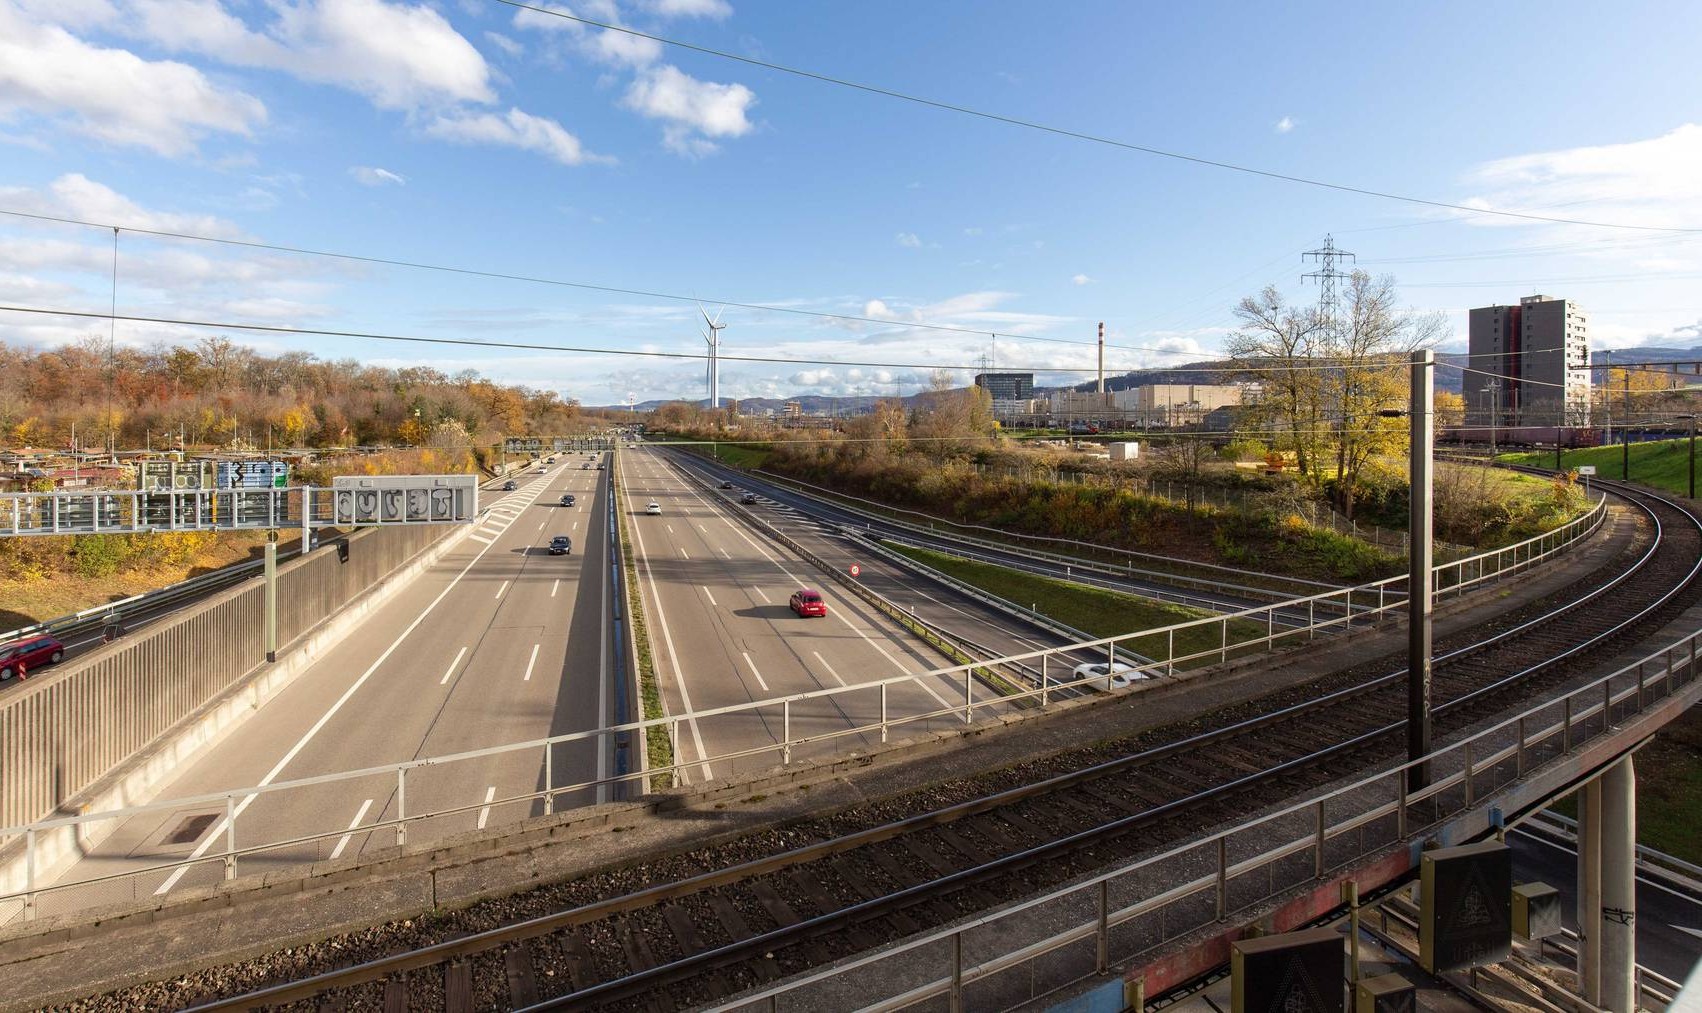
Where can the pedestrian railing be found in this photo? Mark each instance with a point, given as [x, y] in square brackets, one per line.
[817, 724]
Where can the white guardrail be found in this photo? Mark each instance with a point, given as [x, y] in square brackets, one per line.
[858, 713]
[1033, 948]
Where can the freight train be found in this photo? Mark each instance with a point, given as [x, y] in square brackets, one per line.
[1570, 437]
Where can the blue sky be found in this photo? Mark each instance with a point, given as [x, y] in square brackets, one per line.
[467, 133]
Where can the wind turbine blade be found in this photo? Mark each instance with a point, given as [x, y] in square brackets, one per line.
[718, 313]
[705, 314]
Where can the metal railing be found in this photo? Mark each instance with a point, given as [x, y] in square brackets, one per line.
[1020, 954]
[818, 721]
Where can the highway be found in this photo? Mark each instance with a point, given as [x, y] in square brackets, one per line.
[1669, 921]
[497, 642]
[722, 634]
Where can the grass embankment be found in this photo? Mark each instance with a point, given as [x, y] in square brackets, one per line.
[658, 748]
[1663, 464]
[1092, 610]
[1669, 790]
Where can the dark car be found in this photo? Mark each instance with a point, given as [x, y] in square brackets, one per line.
[561, 545]
[748, 498]
[599, 465]
[509, 486]
[567, 499]
[726, 485]
[808, 602]
[33, 652]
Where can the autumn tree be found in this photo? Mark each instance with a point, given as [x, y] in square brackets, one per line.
[1277, 345]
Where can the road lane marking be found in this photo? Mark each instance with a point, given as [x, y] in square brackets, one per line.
[476, 538]
[829, 668]
[553, 587]
[452, 665]
[703, 529]
[501, 589]
[541, 525]
[532, 662]
[754, 672]
[725, 553]
[670, 528]
[343, 841]
[485, 813]
[760, 594]
[683, 553]
[324, 719]
[712, 600]
[575, 526]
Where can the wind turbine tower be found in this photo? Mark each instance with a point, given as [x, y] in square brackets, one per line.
[713, 338]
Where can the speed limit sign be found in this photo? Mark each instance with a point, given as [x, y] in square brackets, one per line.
[856, 570]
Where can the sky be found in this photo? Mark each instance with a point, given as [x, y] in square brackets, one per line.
[476, 135]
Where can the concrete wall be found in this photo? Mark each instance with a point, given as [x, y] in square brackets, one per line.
[66, 728]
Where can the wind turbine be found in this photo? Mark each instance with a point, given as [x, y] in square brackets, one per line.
[712, 375]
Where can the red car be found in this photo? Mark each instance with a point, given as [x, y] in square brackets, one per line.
[33, 652]
[807, 602]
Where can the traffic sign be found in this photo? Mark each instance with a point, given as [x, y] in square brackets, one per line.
[856, 570]
[1586, 469]
[404, 499]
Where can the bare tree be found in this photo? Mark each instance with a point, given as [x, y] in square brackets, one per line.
[1278, 343]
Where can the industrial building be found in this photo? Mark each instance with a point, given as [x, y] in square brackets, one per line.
[1007, 386]
[1531, 364]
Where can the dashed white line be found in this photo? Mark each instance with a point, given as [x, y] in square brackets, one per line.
[670, 528]
[343, 841]
[541, 525]
[829, 668]
[553, 587]
[683, 553]
[711, 597]
[452, 666]
[754, 672]
[761, 595]
[532, 662]
[501, 589]
[485, 813]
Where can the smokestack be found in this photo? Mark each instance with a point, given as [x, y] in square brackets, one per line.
[1102, 357]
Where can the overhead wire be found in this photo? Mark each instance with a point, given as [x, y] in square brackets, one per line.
[1065, 132]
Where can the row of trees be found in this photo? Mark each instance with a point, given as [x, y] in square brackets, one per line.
[217, 393]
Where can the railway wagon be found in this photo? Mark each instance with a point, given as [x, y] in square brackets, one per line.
[1530, 436]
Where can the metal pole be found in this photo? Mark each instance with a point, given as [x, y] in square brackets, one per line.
[1625, 433]
[271, 596]
[1418, 571]
[1692, 457]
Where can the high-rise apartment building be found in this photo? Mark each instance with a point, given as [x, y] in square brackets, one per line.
[1531, 364]
[1006, 386]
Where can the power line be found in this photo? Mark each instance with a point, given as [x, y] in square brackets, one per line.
[562, 283]
[1073, 134]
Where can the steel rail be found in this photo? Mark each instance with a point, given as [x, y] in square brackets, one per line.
[662, 974]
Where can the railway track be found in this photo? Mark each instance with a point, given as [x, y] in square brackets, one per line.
[692, 928]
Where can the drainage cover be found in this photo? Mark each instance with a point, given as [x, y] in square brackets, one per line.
[191, 829]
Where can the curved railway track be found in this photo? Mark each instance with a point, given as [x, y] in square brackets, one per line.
[695, 927]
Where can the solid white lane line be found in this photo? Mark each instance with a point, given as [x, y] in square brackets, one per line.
[754, 672]
[343, 841]
[501, 589]
[829, 668]
[324, 719]
[458, 655]
[668, 641]
[711, 597]
[553, 587]
[532, 662]
[485, 813]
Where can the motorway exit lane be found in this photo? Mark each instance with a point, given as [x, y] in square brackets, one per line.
[496, 643]
[723, 634]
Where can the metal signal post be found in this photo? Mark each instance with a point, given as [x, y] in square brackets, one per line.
[1418, 568]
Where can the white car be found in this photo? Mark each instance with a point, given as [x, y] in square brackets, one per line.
[654, 508]
[1107, 675]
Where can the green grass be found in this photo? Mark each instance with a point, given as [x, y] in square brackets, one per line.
[1663, 464]
[658, 749]
[1092, 610]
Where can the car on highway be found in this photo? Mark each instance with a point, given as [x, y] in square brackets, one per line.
[726, 485]
[585, 467]
[600, 465]
[653, 508]
[510, 485]
[567, 499]
[748, 498]
[542, 470]
[561, 545]
[807, 602]
[1107, 675]
[32, 652]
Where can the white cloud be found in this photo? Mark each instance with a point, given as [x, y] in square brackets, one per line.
[504, 43]
[397, 55]
[74, 195]
[1081, 279]
[600, 44]
[112, 94]
[1285, 124]
[371, 175]
[692, 111]
[716, 9]
[1653, 182]
[909, 240]
[514, 129]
